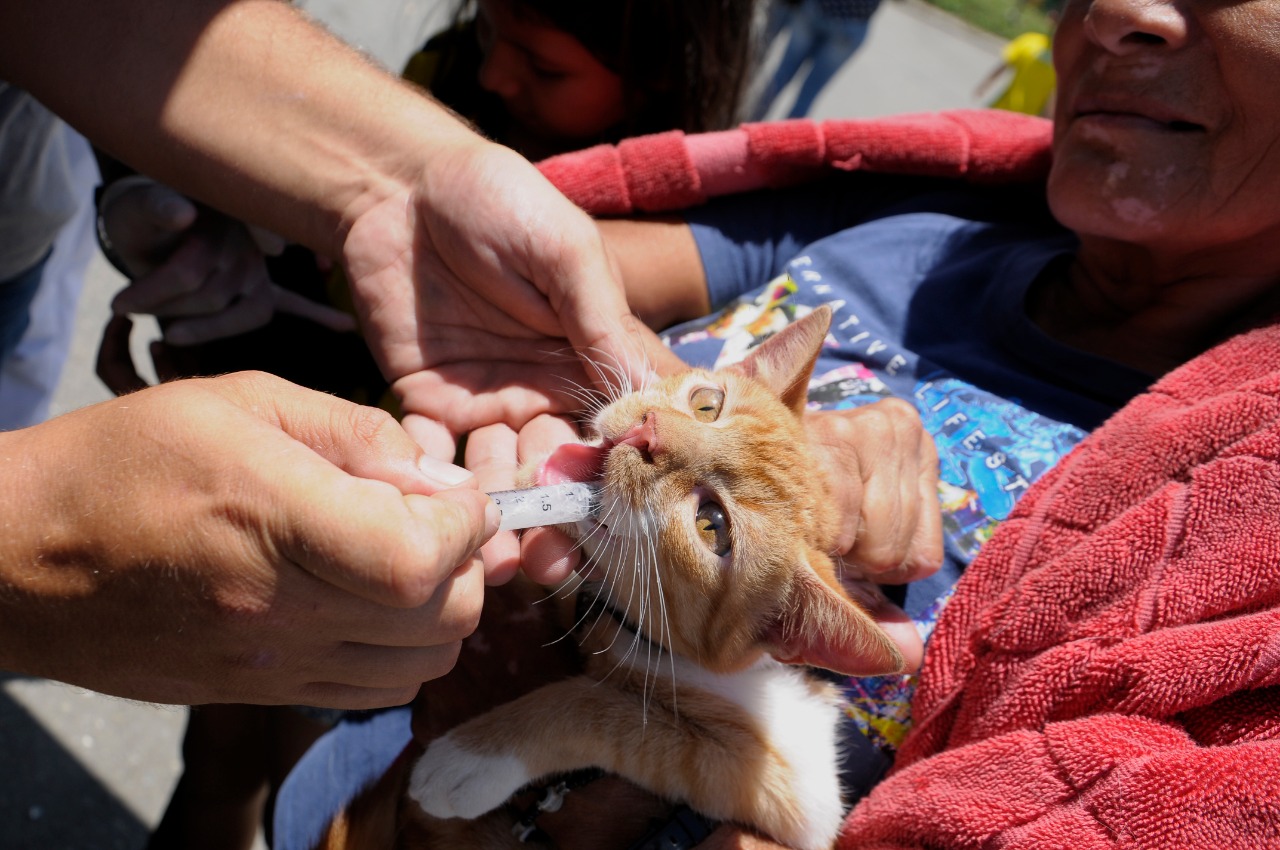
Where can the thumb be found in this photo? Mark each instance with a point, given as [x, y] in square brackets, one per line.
[362, 441]
[626, 355]
[167, 209]
[143, 220]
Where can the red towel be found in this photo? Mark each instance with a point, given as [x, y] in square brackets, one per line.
[1107, 674]
[671, 171]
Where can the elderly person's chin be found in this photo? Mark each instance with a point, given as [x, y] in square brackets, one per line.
[1138, 184]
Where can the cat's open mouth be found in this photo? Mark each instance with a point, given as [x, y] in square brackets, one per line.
[574, 462]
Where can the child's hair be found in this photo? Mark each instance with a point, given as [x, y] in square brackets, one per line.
[684, 64]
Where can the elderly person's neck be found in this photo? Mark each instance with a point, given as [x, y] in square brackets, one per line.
[1155, 309]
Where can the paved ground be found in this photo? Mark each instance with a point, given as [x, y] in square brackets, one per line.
[81, 771]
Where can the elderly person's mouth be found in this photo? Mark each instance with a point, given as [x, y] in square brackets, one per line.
[1127, 114]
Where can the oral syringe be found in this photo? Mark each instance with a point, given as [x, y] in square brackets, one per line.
[548, 505]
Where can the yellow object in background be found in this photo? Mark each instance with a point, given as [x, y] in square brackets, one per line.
[1030, 57]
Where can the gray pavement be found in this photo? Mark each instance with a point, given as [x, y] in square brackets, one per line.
[81, 771]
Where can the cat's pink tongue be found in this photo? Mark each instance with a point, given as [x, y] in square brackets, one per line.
[573, 462]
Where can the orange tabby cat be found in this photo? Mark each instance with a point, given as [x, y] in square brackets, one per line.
[709, 560]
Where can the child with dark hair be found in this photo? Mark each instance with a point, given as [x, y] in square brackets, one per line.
[548, 76]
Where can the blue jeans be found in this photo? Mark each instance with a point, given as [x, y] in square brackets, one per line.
[16, 295]
[347, 758]
[825, 43]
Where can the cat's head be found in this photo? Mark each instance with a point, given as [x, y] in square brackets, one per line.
[715, 523]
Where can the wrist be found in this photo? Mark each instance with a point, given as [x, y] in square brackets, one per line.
[425, 145]
[38, 570]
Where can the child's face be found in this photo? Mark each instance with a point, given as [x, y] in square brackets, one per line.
[552, 86]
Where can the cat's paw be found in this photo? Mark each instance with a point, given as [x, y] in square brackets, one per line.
[451, 782]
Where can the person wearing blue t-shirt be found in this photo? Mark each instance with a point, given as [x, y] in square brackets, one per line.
[1013, 320]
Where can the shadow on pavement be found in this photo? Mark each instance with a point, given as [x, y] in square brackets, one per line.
[48, 800]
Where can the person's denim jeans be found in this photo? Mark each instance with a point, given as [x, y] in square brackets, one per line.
[352, 755]
[825, 43]
[16, 295]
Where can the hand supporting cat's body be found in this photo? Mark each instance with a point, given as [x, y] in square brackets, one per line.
[710, 558]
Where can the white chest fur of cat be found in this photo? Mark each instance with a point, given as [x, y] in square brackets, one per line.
[715, 588]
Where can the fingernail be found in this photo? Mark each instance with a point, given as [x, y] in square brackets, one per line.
[174, 208]
[444, 474]
[492, 518]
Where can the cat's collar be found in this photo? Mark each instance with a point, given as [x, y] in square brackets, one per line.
[592, 602]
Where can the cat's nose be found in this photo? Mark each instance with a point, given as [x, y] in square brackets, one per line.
[644, 434]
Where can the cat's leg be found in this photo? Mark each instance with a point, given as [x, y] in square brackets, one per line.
[710, 754]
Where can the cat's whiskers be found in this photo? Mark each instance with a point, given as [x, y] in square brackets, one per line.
[590, 400]
[612, 566]
[609, 367]
[651, 567]
[574, 583]
[664, 628]
[625, 553]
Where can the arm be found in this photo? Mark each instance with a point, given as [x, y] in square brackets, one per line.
[247, 106]
[235, 539]
[243, 104]
[989, 79]
[661, 269]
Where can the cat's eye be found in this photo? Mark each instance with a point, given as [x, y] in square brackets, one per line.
[713, 528]
[706, 403]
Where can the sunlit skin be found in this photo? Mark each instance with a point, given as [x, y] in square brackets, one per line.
[1166, 128]
[558, 94]
[1166, 165]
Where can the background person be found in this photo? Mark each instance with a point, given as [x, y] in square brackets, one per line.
[822, 35]
[46, 243]
[1027, 61]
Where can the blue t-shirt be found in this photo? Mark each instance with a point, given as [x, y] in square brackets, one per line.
[929, 291]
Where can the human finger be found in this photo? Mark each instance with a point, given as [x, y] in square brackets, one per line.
[883, 474]
[470, 394]
[547, 555]
[449, 615]
[363, 441]
[141, 219]
[234, 273]
[183, 271]
[432, 436]
[237, 317]
[491, 456]
[895, 622]
[902, 518]
[286, 301]
[406, 545]
[372, 481]
[114, 364]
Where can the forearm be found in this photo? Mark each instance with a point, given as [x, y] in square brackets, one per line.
[44, 565]
[661, 269]
[243, 104]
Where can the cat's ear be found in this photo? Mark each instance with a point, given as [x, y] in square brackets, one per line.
[785, 360]
[821, 626]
